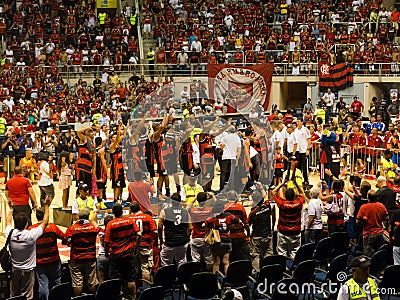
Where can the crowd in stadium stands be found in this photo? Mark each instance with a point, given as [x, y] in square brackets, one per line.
[297, 32]
[187, 212]
[123, 148]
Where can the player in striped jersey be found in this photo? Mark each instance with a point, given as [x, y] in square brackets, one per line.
[148, 227]
[122, 240]
[81, 236]
[48, 262]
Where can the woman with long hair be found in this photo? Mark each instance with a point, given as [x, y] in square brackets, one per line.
[65, 180]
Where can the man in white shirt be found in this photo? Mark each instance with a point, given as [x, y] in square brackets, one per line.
[45, 182]
[23, 251]
[10, 103]
[44, 118]
[329, 98]
[291, 140]
[228, 22]
[185, 94]
[231, 147]
[303, 146]
[313, 227]
[196, 45]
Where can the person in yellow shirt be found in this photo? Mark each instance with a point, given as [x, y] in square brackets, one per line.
[387, 166]
[113, 79]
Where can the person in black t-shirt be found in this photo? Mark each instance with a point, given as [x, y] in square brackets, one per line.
[175, 225]
[394, 232]
[261, 237]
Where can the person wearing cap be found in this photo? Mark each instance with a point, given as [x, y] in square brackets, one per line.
[372, 215]
[261, 220]
[174, 228]
[83, 201]
[82, 237]
[361, 285]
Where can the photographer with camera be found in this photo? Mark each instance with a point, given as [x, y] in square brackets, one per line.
[9, 148]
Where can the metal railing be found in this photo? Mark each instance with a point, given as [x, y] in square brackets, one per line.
[69, 72]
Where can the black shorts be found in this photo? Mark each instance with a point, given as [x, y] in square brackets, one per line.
[100, 184]
[125, 268]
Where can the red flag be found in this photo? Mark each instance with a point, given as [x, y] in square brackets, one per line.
[335, 77]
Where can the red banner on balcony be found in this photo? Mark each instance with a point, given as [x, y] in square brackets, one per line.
[240, 87]
[336, 77]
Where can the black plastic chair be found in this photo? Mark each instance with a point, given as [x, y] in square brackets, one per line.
[202, 285]
[304, 273]
[341, 243]
[338, 264]
[237, 274]
[17, 298]
[152, 293]
[304, 253]
[274, 260]
[84, 297]
[378, 263]
[185, 272]
[287, 292]
[62, 291]
[269, 275]
[165, 277]
[389, 253]
[109, 289]
[390, 278]
[323, 251]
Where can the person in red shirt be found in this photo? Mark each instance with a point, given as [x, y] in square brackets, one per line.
[356, 106]
[81, 237]
[122, 240]
[139, 190]
[18, 191]
[48, 262]
[148, 227]
[290, 204]
[374, 141]
[200, 249]
[240, 241]
[372, 215]
[222, 221]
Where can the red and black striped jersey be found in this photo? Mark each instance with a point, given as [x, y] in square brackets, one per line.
[82, 236]
[121, 234]
[147, 226]
[198, 216]
[289, 222]
[46, 245]
[236, 209]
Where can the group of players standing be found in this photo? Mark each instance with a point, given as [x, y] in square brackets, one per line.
[194, 144]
